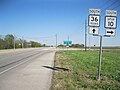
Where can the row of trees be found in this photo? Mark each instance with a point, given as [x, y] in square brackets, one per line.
[73, 45]
[9, 42]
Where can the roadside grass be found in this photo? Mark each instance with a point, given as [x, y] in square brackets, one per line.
[77, 70]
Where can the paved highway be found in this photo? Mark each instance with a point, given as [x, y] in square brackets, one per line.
[26, 69]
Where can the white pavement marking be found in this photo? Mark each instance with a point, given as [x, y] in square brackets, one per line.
[13, 67]
[36, 75]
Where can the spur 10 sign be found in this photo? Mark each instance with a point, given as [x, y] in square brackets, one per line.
[110, 22]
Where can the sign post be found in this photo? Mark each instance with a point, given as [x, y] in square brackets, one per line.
[100, 58]
[110, 28]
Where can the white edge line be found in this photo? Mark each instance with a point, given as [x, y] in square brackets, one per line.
[13, 67]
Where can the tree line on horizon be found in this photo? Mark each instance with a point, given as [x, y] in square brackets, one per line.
[10, 42]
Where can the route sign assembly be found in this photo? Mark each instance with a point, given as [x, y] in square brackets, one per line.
[110, 22]
[110, 25]
[94, 21]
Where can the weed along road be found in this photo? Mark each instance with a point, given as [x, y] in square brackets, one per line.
[26, 69]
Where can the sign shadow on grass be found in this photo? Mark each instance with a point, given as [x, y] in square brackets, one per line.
[56, 68]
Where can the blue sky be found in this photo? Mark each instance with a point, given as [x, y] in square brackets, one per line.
[41, 20]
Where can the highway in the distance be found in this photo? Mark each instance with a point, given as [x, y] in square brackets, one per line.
[25, 69]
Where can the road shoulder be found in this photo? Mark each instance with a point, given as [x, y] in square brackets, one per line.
[36, 75]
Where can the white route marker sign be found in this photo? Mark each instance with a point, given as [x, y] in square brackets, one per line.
[94, 21]
[110, 22]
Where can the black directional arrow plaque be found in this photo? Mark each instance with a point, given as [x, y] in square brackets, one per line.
[110, 32]
[94, 30]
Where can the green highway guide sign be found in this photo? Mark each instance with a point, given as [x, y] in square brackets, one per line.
[68, 43]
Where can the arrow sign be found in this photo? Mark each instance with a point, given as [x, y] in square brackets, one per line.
[110, 32]
[93, 30]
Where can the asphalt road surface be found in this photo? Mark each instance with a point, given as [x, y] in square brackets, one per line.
[26, 69]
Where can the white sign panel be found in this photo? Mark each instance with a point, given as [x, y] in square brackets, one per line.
[94, 11]
[110, 22]
[94, 21]
[111, 13]
[94, 30]
[110, 32]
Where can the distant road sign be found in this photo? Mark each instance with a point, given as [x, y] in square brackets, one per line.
[111, 22]
[65, 42]
[68, 43]
[94, 11]
[94, 21]
[111, 13]
[94, 30]
[110, 32]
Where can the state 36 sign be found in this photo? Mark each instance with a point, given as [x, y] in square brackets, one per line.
[94, 21]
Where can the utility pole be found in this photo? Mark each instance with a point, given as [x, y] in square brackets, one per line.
[89, 44]
[68, 38]
[68, 43]
[14, 41]
[22, 42]
[56, 40]
[0, 42]
[85, 35]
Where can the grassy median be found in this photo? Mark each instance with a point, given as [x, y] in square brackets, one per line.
[77, 70]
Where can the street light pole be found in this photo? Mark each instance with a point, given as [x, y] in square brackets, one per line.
[22, 42]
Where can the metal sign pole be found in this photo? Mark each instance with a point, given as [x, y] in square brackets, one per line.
[110, 27]
[85, 35]
[100, 57]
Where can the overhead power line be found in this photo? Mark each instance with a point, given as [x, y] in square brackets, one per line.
[116, 7]
[109, 6]
[108, 1]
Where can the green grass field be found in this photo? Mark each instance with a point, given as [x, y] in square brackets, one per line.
[77, 70]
